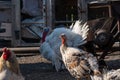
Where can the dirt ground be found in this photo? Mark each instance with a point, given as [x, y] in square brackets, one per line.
[38, 68]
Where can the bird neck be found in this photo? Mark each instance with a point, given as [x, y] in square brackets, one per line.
[64, 44]
[44, 36]
[63, 41]
[2, 64]
[13, 65]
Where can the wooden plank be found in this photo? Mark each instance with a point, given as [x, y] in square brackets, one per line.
[101, 6]
[29, 44]
[24, 49]
[25, 23]
[27, 54]
[5, 4]
[64, 21]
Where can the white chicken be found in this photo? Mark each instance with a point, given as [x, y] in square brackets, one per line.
[9, 67]
[108, 75]
[49, 48]
[78, 62]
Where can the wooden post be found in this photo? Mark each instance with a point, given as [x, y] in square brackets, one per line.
[82, 10]
[109, 9]
[49, 11]
[16, 29]
[44, 12]
[119, 25]
[13, 24]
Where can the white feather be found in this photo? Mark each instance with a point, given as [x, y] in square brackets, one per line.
[81, 29]
[8, 75]
[93, 62]
[108, 75]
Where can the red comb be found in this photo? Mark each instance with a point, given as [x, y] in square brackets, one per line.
[6, 54]
[4, 49]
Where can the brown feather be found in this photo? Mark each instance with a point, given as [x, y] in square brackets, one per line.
[83, 65]
[72, 64]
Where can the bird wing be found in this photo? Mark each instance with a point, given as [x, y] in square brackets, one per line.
[76, 62]
[46, 51]
[80, 62]
[81, 29]
[75, 57]
[83, 55]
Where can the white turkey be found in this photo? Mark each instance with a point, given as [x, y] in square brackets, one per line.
[108, 75]
[9, 67]
[51, 43]
[78, 62]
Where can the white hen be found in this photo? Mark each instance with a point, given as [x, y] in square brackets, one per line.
[51, 43]
[78, 62]
[9, 67]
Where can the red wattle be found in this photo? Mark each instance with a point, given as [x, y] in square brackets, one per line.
[44, 36]
[5, 57]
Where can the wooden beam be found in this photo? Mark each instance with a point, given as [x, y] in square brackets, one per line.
[101, 6]
[64, 21]
[32, 23]
[24, 49]
[82, 10]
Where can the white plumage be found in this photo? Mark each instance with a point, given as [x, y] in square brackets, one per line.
[78, 62]
[9, 67]
[75, 38]
[8, 75]
[81, 29]
[108, 75]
